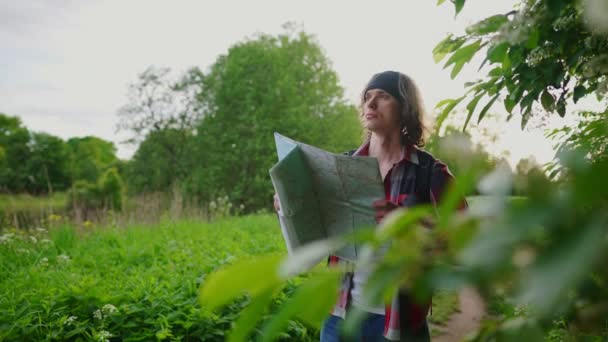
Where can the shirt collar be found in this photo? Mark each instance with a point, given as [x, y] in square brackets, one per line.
[408, 153]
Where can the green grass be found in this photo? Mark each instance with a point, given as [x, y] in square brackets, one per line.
[445, 303]
[150, 274]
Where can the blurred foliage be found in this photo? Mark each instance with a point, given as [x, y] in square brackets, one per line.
[446, 147]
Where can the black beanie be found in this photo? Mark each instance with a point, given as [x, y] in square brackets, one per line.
[387, 81]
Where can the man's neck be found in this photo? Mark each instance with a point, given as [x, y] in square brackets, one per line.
[385, 148]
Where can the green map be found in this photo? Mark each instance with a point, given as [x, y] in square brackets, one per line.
[323, 194]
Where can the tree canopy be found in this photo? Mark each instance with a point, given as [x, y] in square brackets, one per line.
[264, 85]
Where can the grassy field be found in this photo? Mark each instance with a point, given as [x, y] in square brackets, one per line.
[135, 284]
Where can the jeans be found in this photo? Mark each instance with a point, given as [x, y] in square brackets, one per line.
[371, 329]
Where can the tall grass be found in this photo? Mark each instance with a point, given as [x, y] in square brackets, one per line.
[27, 212]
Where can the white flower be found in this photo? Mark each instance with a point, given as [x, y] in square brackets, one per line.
[109, 308]
[46, 242]
[44, 262]
[98, 315]
[70, 320]
[41, 230]
[33, 238]
[63, 258]
[104, 336]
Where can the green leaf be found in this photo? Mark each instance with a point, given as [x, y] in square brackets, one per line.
[307, 256]
[253, 276]
[485, 109]
[579, 92]
[456, 69]
[561, 269]
[506, 62]
[509, 104]
[525, 117]
[517, 93]
[496, 72]
[464, 54]
[527, 100]
[446, 46]
[250, 316]
[446, 110]
[532, 41]
[497, 53]
[439, 2]
[487, 25]
[401, 220]
[547, 100]
[458, 4]
[311, 302]
[471, 108]
[443, 103]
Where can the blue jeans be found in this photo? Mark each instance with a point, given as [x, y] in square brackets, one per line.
[371, 329]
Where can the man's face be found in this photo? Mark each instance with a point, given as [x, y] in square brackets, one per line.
[380, 112]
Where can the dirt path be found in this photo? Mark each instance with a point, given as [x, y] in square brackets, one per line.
[466, 320]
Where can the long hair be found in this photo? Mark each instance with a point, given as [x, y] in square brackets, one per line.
[411, 113]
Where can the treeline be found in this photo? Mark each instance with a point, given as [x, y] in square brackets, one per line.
[207, 134]
[40, 163]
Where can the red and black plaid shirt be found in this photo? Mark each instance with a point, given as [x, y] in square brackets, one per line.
[399, 183]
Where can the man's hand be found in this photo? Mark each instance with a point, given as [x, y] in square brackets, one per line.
[383, 208]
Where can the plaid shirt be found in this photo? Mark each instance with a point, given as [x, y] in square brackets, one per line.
[399, 183]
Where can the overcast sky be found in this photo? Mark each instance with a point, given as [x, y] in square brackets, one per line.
[65, 65]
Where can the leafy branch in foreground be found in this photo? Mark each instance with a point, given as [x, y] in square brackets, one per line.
[544, 53]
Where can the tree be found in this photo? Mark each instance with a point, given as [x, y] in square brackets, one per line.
[47, 165]
[14, 138]
[89, 157]
[161, 115]
[157, 103]
[111, 189]
[268, 84]
[159, 162]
